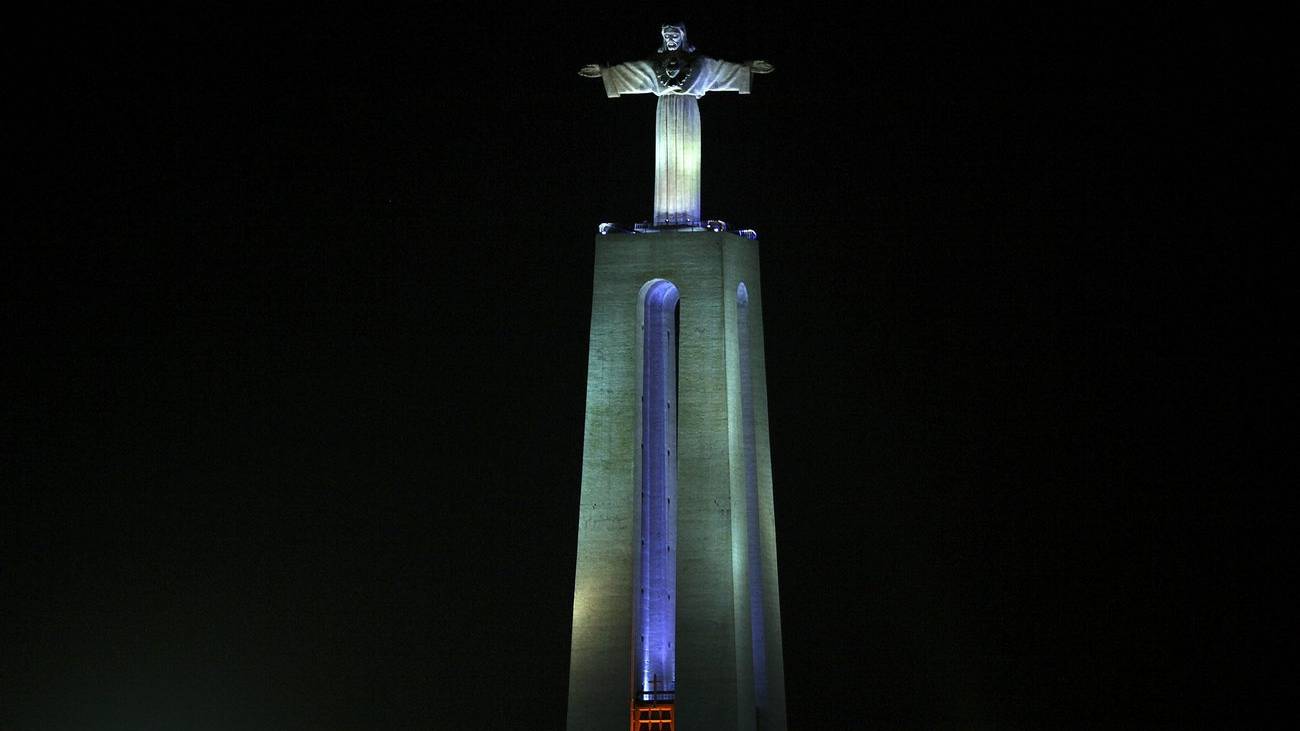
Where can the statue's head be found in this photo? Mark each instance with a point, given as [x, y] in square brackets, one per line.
[674, 35]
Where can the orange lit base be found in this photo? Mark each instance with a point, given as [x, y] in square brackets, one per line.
[652, 716]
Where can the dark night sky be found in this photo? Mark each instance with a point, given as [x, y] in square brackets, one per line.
[297, 336]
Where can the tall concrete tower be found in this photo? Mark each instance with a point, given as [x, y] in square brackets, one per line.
[676, 606]
[676, 611]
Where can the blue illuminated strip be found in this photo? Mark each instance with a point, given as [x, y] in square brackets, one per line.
[754, 552]
[657, 566]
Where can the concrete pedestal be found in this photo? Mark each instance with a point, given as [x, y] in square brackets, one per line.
[717, 438]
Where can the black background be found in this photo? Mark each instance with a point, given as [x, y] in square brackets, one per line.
[298, 310]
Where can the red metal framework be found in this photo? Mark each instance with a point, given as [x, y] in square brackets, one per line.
[652, 716]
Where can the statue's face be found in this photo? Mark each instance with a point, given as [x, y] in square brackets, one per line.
[673, 37]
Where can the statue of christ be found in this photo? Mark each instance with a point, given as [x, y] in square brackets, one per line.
[678, 77]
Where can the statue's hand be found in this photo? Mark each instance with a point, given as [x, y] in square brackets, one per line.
[761, 67]
[591, 71]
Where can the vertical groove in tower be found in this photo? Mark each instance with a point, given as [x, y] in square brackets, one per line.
[655, 586]
[753, 539]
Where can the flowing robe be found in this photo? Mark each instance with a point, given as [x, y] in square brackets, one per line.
[677, 128]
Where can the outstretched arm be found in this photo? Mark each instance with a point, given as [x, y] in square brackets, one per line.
[720, 75]
[633, 77]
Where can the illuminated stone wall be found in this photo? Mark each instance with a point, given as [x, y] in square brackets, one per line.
[714, 649]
